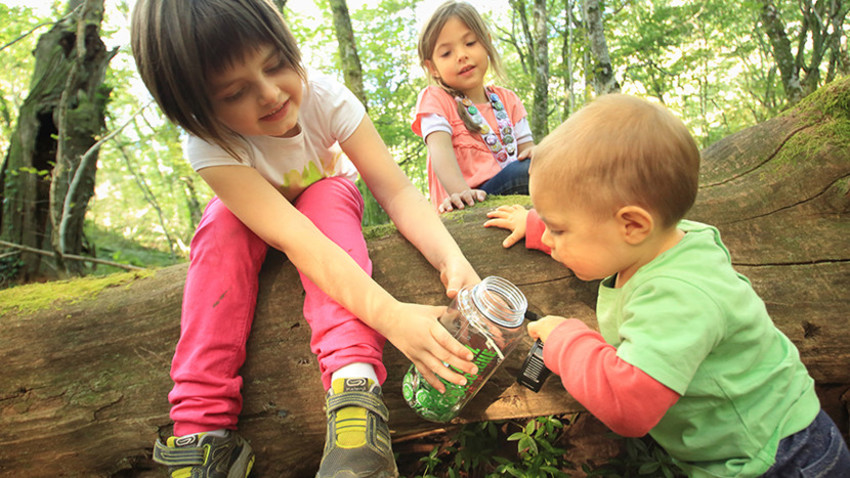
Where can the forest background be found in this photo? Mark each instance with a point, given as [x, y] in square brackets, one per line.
[721, 66]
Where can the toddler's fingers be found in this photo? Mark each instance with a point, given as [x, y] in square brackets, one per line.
[532, 330]
[497, 222]
[512, 239]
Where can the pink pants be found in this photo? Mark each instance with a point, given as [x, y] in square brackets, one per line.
[221, 294]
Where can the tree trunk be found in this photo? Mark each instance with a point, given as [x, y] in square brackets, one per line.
[602, 75]
[86, 371]
[789, 71]
[44, 185]
[534, 36]
[348, 57]
[540, 107]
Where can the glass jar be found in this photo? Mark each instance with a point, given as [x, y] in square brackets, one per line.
[487, 319]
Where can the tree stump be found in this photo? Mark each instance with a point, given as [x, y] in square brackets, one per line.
[84, 390]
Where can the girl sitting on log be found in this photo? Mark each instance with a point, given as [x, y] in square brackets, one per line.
[281, 148]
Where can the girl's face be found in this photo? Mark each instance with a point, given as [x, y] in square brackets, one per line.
[258, 96]
[460, 60]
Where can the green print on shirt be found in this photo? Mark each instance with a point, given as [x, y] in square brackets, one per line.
[311, 173]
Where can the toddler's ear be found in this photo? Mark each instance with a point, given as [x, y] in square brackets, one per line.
[636, 223]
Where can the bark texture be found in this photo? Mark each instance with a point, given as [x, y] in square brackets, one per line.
[602, 75]
[349, 59]
[85, 375]
[45, 184]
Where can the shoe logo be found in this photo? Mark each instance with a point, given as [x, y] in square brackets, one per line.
[356, 383]
[185, 441]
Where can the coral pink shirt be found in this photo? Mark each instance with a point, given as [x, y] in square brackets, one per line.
[473, 156]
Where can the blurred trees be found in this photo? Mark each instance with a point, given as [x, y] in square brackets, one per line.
[720, 66]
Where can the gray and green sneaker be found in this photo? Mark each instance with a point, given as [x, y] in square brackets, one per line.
[205, 456]
[358, 443]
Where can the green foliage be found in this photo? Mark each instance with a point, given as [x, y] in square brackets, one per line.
[479, 449]
[538, 457]
[16, 60]
[706, 60]
[642, 457]
[10, 264]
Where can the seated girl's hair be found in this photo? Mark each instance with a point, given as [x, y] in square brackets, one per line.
[178, 44]
[430, 33]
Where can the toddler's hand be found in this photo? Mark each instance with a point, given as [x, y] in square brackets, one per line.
[509, 217]
[458, 200]
[540, 329]
[420, 337]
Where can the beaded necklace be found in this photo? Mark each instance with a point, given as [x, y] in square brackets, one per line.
[502, 145]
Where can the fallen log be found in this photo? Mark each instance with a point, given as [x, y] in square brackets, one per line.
[86, 361]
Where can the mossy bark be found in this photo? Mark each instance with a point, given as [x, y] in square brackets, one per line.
[86, 377]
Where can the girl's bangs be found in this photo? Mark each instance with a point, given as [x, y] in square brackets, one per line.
[226, 36]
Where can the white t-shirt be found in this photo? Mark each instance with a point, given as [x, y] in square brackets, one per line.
[329, 114]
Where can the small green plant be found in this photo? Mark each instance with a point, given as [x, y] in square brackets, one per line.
[10, 265]
[468, 451]
[642, 457]
[538, 457]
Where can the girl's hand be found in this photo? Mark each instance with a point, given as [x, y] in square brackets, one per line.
[540, 329]
[420, 337]
[512, 218]
[456, 274]
[458, 200]
[525, 153]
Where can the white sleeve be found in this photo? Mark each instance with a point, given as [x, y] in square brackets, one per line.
[523, 131]
[432, 123]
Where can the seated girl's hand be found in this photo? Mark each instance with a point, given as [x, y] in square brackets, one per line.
[512, 218]
[525, 154]
[458, 200]
[541, 328]
[420, 337]
[456, 274]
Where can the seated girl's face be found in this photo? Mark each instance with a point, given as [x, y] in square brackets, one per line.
[258, 95]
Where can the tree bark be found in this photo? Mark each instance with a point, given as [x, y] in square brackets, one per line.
[781, 50]
[44, 184]
[535, 38]
[348, 57]
[602, 76]
[540, 106]
[86, 373]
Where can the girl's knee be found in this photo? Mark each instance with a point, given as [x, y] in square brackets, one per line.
[218, 224]
[334, 193]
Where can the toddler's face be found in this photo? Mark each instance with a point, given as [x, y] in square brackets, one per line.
[583, 241]
[258, 96]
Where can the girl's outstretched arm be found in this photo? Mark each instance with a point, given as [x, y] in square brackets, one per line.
[275, 220]
[448, 173]
[417, 221]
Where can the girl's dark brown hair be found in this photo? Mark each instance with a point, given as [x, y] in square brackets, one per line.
[467, 14]
[178, 44]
